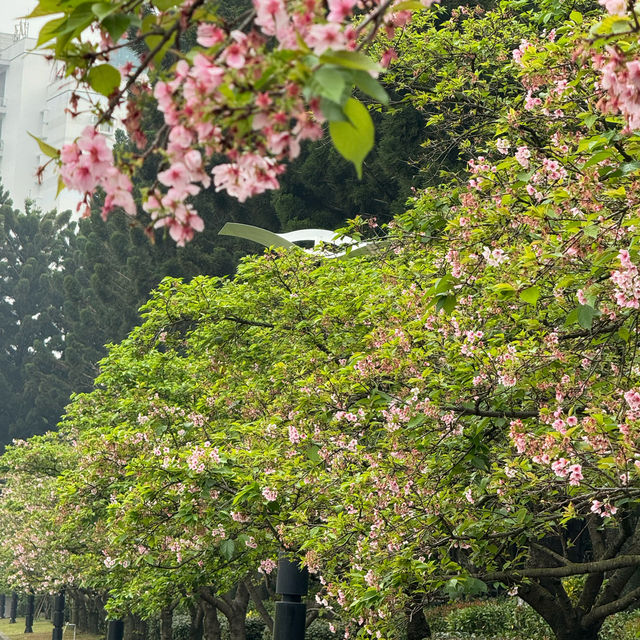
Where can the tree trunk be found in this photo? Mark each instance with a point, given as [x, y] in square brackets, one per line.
[234, 605]
[93, 616]
[197, 617]
[576, 632]
[555, 607]
[210, 622]
[81, 612]
[28, 620]
[237, 626]
[417, 626]
[135, 628]
[73, 617]
[166, 624]
[14, 608]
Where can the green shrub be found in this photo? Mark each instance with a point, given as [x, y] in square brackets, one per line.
[317, 630]
[486, 618]
[255, 628]
[621, 626]
[490, 618]
[181, 626]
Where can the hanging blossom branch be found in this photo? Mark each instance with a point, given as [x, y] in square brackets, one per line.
[251, 94]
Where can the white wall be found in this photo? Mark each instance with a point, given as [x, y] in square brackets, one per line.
[35, 101]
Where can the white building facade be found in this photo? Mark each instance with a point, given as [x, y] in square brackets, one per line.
[34, 100]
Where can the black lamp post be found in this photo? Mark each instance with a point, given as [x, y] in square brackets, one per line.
[291, 612]
[28, 626]
[115, 630]
[58, 617]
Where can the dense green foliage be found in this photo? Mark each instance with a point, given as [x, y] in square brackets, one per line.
[35, 380]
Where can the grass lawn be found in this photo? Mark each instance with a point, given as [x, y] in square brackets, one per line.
[41, 631]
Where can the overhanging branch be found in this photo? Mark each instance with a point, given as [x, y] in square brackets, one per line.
[490, 413]
[572, 569]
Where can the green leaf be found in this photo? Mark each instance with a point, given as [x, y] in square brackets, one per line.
[443, 284]
[47, 149]
[332, 111]
[102, 9]
[629, 167]
[572, 317]
[586, 314]
[530, 295]
[227, 547]
[351, 60]
[47, 7]
[50, 30]
[624, 334]
[312, 453]
[104, 78]
[353, 139]
[155, 41]
[116, 25]
[163, 5]
[408, 5]
[576, 16]
[598, 157]
[370, 86]
[504, 290]
[330, 82]
[446, 302]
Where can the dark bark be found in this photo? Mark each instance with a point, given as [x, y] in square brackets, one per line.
[28, 620]
[166, 624]
[237, 628]
[94, 617]
[259, 593]
[233, 605]
[197, 619]
[135, 628]
[551, 602]
[210, 623]
[13, 611]
[79, 607]
[417, 626]
[73, 617]
[578, 633]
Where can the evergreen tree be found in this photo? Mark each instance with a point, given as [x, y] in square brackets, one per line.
[34, 385]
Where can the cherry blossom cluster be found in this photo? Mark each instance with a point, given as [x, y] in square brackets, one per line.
[233, 98]
[88, 164]
[627, 292]
[621, 82]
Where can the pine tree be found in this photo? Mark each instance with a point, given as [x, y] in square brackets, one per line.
[34, 384]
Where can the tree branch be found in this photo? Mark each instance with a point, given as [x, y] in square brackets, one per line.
[572, 569]
[612, 607]
[259, 604]
[489, 413]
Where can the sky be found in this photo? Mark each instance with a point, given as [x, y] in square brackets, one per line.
[11, 10]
